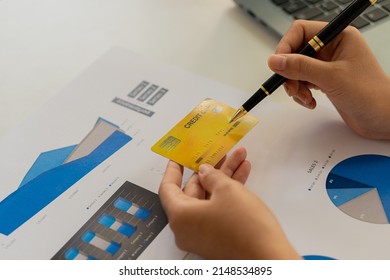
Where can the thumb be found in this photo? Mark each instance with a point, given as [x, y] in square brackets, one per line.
[302, 68]
[211, 178]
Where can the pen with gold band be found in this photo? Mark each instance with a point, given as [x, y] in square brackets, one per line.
[327, 34]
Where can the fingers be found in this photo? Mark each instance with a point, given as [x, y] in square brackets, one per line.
[219, 164]
[298, 35]
[302, 71]
[173, 173]
[193, 187]
[236, 166]
[170, 187]
[302, 68]
[242, 173]
[232, 162]
[301, 93]
[212, 179]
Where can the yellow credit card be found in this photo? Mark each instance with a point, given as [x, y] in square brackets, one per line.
[204, 135]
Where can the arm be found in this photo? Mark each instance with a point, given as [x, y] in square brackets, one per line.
[345, 70]
[216, 217]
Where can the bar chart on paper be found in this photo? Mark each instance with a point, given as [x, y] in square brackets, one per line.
[360, 187]
[121, 229]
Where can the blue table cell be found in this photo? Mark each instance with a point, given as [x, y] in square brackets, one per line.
[142, 213]
[113, 248]
[88, 236]
[71, 254]
[106, 220]
[127, 229]
[122, 204]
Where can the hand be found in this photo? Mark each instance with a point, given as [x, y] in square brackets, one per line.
[345, 70]
[216, 217]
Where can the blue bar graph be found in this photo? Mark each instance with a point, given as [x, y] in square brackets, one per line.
[92, 238]
[74, 254]
[129, 207]
[121, 227]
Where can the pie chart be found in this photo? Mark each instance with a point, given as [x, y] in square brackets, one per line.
[360, 187]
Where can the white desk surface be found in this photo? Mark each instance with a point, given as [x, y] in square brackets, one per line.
[45, 44]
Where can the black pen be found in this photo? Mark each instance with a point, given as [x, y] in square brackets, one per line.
[327, 34]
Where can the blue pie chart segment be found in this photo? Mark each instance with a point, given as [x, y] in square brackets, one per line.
[360, 187]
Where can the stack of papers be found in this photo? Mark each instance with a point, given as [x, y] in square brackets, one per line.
[80, 181]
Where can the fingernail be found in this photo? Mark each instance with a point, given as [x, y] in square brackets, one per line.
[204, 168]
[278, 61]
[304, 99]
[287, 89]
[301, 98]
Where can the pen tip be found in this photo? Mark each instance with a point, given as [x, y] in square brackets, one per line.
[238, 114]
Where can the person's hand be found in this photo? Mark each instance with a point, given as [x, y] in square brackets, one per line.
[216, 217]
[345, 70]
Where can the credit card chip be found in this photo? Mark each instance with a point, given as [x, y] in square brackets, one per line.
[170, 143]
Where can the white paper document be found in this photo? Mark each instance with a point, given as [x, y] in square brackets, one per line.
[79, 180]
